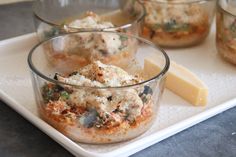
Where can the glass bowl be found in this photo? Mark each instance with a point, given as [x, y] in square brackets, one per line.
[177, 23]
[56, 17]
[100, 101]
[226, 30]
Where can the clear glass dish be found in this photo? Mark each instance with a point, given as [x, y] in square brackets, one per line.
[56, 17]
[177, 23]
[226, 30]
[100, 101]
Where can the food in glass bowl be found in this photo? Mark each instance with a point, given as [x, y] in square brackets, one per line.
[226, 30]
[82, 49]
[98, 102]
[53, 18]
[97, 111]
[177, 23]
[90, 20]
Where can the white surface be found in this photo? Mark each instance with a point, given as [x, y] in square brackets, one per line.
[12, 1]
[175, 114]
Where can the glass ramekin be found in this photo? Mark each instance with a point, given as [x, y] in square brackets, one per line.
[86, 123]
[226, 30]
[52, 17]
[177, 23]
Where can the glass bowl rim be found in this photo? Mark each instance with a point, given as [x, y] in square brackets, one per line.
[160, 75]
[175, 2]
[219, 6]
[133, 22]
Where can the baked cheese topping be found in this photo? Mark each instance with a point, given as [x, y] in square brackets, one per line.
[94, 46]
[99, 108]
[91, 20]
[173, 17]
[98, 74]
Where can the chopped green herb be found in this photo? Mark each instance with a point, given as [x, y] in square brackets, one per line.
[49, 93]
[122, 47]
[123, 38]
[52, 32]
[65, 95]
[170, 25]
[173, 26]
[232, 29]
[156, 26]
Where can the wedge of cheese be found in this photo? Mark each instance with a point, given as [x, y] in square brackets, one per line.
[180, 80]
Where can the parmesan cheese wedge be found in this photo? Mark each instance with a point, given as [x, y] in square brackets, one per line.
[180, 80]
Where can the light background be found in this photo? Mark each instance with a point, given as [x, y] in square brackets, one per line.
[11, 1]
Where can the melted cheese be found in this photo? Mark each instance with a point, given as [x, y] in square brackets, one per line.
[105, 101]
[92, 20]
[161, 13]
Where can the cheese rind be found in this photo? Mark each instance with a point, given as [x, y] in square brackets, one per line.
[180, 80]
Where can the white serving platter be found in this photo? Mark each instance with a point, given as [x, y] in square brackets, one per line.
[174, 116]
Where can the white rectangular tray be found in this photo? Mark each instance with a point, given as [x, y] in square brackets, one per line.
[175, 114]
